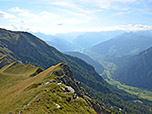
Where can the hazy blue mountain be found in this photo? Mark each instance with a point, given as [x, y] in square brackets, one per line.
[44, 37]
[130, 43]
[98, 67]
[89, 39]
[69, 36]
[58, 42]
[61, 44]
[77, 40]
[138, 71]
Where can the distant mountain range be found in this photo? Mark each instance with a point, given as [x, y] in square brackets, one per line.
[90, 39]
[61, 44]
[131, 52]
[56, 41]
[130, 43]
[77, 41]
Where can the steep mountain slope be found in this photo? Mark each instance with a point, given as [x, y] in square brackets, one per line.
[126, 44]
[99, 68]
[28, 49]
[138, 71]
[51, 91]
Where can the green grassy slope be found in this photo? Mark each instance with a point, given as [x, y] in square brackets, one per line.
[12, 78]
[21, 93]
[13, 74]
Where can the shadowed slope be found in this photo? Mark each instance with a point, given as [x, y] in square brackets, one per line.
[138, 71]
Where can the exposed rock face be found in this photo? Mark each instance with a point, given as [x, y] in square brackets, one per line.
[66, 77]
[65, 70]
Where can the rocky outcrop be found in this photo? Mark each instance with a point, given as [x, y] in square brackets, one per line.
[65, 70]
[65, 76]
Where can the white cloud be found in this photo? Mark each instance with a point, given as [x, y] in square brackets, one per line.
[24, 16]
[74, 16]
[46, 14]
[6, 15]
[122, 13]
[123, 1]
[76, 7]
[65, 4]
[48, 30]
[106, 4]
[18, 27]
[22, 12]
[72, 21]
[8, 0]
[48, 23]
[17, 9]
[45, 18]
[73, 13]
[45, 21]
[128, 27]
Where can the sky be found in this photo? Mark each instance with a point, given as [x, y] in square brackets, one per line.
[63, 16]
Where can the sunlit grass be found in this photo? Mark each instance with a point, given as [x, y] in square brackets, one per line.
[31, 95]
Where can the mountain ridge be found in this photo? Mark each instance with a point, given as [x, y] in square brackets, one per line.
[130, 43]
